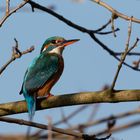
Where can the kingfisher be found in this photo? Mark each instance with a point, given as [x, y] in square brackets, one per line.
[44, 71]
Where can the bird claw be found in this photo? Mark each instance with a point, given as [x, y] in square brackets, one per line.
[49, 95]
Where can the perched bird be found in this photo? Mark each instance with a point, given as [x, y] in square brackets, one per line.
[44, 71]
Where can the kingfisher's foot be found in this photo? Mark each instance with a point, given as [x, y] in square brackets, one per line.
[49, 95]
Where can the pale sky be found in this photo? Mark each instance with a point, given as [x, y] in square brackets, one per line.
[87, 66]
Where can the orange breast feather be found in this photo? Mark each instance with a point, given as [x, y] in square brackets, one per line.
[52, 80]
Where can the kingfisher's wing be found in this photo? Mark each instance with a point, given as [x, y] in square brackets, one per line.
[21, 91]
[40, 71]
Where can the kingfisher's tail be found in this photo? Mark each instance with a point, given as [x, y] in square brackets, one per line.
[31, 105]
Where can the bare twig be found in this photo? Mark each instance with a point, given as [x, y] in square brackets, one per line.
[67, 118]
[104, 26]
[49, 128]
[68, 22]
[130, 53]
[41, 126]
[105, 119]
[71, 115]
[119, 128]
[16, 53]
[95, 108]
[115, 12]
[112, 24]
[58, 130]
[91, 33]
[121, 62]
[66, 137]
[7, 7]
[136, 63]
[9, 13]
[109, 32]
[127, 50]
[64, 118]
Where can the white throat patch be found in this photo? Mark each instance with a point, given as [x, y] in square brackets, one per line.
[57, 50]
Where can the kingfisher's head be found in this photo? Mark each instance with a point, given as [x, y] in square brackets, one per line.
[56, 44]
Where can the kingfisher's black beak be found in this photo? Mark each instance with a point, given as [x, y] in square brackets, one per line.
[68, 42]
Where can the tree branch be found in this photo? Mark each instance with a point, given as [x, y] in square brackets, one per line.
[72, 99]
[105, 119]
[81, 108]
[123, 56]
[119, 128]
[91, 33]
[115, 12]
[16, 53]
[7, 6]
[9, 13]
[55, 129]
[41, 126]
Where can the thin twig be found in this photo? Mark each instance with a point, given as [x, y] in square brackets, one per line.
[16, 53]
[7, 7]
[58, 130]
[115, 12]
[130, 53]
[112, 24]
[67, 118]
[105, 119]
[41, 126]
[104, 26]
[66, 137]
[71, 115]
[64, 118]
[136, 63]
[127, 50]
[13, 11]
[68, 22]
[121, 62]
[109, 32]
[119, 128]
[82, 29]
[49, 128]
[95, 109]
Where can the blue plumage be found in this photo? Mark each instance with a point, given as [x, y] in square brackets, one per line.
[44, 71]
[38, 73]
[31, 103]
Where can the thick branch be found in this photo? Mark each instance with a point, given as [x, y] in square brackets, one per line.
[72, 99]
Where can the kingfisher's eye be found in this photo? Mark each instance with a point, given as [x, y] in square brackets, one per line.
[53, 41]
[58, 41]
